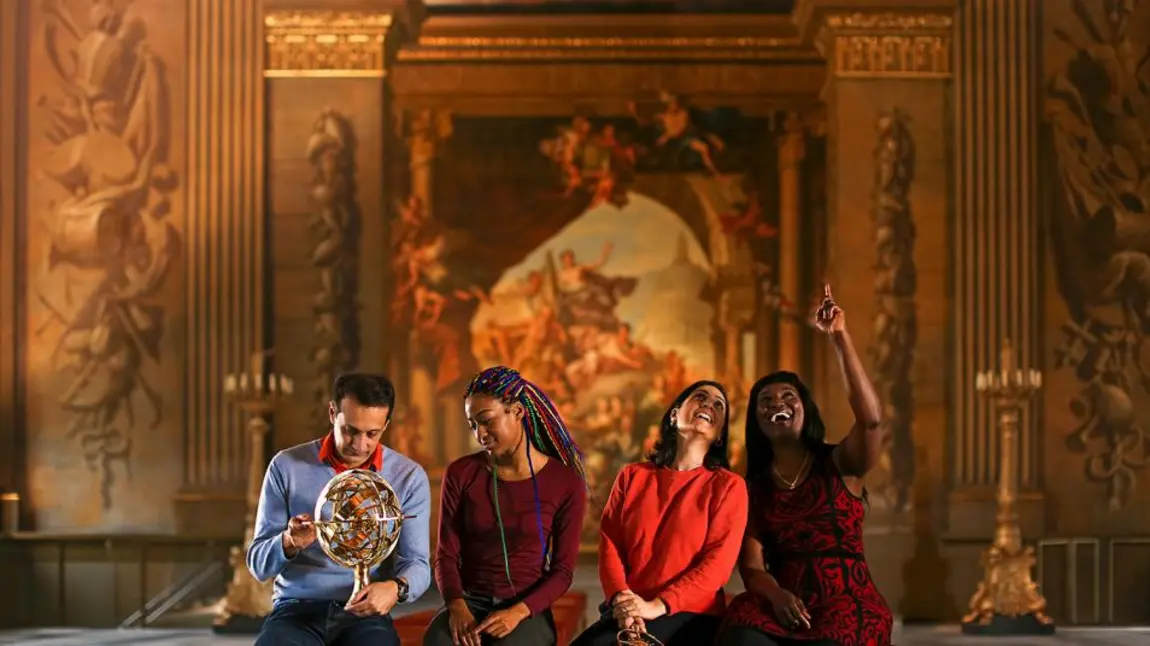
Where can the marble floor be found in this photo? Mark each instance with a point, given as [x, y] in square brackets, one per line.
[910, 636]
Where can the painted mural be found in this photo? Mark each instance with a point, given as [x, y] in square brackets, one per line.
[592, 254]
[608, 320]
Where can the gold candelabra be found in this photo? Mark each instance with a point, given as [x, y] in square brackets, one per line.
[1008, 602]
[256, 393]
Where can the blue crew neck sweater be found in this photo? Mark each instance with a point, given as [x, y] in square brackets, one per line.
[292, 483]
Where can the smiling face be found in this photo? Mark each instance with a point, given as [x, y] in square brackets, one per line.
[779, 410]
[498, 427]
[704, 411]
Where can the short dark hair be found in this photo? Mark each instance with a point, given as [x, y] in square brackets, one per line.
[667, 445]
[367, 389]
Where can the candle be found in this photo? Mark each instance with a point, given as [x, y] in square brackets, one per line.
[259, 382]
[288, 386]
[243, 381]
[1037, 379]
[230, 384]
[272, 384]
[980, 382]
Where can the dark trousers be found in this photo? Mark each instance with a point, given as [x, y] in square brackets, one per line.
[323, 623]
[679, 629]
[743, 636]
[536, 630]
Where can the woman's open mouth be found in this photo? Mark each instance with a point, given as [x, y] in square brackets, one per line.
[705, 416]
[781, 416]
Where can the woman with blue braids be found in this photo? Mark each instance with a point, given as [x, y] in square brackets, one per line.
[510, 519]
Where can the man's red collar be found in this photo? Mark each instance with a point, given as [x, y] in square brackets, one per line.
[327, 454]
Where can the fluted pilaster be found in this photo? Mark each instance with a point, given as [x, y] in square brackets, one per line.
[226, 225]
[997, 248]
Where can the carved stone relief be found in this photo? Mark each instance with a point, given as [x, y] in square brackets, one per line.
[1098, 107]
[110, 241]
[895, 321]
[336, 225]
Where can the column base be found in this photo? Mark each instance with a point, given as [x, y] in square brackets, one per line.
[239, 625]
[1005, 625]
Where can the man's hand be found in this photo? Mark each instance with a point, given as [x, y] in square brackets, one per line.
[299, 534]
[500, 623]
[629, 605]
[462, 624]
[374, 600]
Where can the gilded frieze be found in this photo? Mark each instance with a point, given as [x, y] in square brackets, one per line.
[325, 43]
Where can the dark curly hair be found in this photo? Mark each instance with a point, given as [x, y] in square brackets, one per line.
[760, 453]
[667, 447]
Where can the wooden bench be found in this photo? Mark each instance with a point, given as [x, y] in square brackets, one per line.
[568, 611]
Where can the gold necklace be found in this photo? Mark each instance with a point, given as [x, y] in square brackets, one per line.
[791, 484]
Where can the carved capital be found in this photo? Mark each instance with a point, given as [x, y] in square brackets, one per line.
[326, 43]
[792, 141]
[887, 44]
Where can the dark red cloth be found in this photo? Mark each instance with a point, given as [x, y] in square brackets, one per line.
[813, 546]
[469, 555]
[327, 454]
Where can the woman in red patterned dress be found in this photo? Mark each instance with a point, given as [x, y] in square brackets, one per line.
[802, 557]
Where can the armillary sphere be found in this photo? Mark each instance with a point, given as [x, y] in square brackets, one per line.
[358, 518]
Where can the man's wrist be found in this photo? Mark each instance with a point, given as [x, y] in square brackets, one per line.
[402, 590]
[290, 550]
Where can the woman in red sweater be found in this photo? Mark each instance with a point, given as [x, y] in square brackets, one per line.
[802, 559]
[671, 530]
[510, 519]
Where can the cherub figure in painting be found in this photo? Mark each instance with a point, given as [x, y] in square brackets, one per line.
[681, 141]
[595, 160]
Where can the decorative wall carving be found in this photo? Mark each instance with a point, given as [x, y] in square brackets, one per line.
[336, 225]
[895, 321]
[1098, 107]
[888, 45]
[326, 43]
[110, 242]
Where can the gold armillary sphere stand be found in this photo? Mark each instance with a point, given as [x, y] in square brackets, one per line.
[1008, 602]
[256, 393]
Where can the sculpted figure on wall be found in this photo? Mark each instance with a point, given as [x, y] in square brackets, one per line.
[895, 320]
[335, 225]
[1098, 107]
[110, 242]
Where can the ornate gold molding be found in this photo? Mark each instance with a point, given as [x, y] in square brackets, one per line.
[888, 45]
[461, 48]
[326, 44]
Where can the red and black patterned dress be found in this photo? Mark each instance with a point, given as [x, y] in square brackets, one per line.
[813, 546]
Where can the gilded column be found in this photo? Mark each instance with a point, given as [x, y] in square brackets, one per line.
[792, 150]
[997, 247]
[225, 248]
[13, 66]
[427, 128]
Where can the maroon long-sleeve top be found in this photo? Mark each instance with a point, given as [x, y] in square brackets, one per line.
[470, 554]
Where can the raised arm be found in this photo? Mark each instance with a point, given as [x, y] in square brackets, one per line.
[447, 555]
[412, 555]
[860, 450]
[266, 557]
[711, 569]
[566, 528]
[612, 567]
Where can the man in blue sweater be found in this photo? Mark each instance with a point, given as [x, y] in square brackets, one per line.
[312, 592]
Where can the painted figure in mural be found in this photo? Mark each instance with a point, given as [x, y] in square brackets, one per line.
[510, 519]
[806, 578]
[312, 591]
[662, 565]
